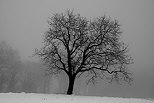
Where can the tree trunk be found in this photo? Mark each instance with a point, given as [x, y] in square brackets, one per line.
[71, 85]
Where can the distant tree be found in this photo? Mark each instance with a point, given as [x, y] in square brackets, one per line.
[29, 77]
[9, 67]
[76, 45]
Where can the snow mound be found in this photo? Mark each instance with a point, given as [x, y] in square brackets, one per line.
[57, 98]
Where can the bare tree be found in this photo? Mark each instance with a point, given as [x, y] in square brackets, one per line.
[76, 45]
[9, 67]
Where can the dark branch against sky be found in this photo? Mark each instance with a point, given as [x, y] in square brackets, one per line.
[22, 24]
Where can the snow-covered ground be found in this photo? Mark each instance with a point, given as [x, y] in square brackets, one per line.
[57, 98]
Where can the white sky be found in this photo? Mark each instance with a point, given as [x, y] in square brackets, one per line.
[23, 23]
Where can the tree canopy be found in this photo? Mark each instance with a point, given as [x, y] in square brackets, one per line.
[76, 45]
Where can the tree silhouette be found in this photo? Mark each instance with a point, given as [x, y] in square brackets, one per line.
[9, 67]
[76, 45]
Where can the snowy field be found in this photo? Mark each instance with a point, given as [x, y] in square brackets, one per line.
[53, 98]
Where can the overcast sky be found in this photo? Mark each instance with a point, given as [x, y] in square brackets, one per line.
[23, 23]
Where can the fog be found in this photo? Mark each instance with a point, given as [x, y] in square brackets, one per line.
[23, 23]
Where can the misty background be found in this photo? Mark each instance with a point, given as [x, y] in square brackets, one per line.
[24, 22]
